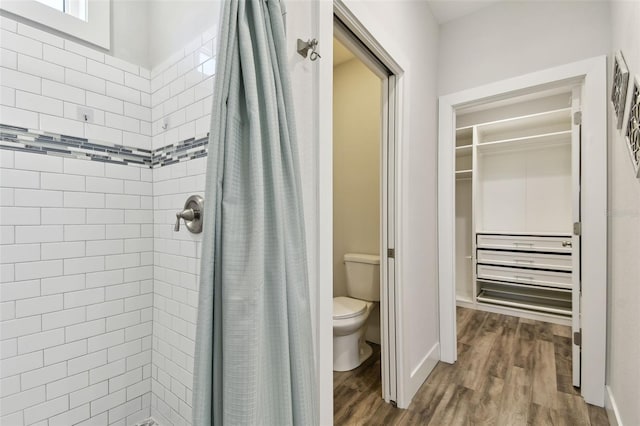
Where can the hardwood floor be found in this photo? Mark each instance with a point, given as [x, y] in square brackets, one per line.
[510, 371]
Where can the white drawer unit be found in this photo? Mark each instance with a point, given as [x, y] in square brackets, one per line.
[560, 262]
[538, 243]
[525, 276]
[531, 272]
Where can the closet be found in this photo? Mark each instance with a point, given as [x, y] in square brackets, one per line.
[517, 200]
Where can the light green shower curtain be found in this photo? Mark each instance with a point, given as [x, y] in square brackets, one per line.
[254, 361]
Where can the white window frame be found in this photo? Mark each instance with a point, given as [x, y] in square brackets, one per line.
[95, 30]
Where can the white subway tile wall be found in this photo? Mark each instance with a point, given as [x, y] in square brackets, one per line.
[49, 70]
[98, 295]
[181, 93]
[64, 237]
[176, 269]
[69, 256]
[182, 89]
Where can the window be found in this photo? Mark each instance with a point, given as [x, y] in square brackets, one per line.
[77, 8]
[88, 20]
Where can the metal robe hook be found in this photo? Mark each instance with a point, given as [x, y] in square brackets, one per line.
[305, 46]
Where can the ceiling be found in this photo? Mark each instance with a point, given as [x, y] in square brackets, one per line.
[443, 11]
[448, 10]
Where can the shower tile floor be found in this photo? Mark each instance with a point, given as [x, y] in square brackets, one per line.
[510, 371]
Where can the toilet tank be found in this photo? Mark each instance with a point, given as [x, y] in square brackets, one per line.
[363, 276]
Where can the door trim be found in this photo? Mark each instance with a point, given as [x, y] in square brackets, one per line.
[387, 206]
[592, 74]
[327, 11]
[576, 293]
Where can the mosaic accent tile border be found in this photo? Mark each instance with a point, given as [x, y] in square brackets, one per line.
[39, 142]
[186, 150]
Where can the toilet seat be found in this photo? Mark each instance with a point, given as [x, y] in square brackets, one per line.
[346, 307]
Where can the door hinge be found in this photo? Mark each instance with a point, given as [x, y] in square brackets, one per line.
[391, 253]
[577, 118]
[577, 228]
[577, 338]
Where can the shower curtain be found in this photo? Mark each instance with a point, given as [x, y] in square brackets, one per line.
[254, 361]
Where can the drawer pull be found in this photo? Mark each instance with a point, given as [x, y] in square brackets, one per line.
[520, 277]
[523, 260]
[567, 244]
[523, 244]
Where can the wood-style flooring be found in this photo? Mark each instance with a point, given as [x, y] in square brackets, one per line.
[510, 371]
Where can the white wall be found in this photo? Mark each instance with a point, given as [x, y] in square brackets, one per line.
[514, 38]
[623, 372]
[130, 36]
[302, 22]
[356, 165]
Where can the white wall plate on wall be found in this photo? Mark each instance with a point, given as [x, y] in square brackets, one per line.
[632, 127]
[619, 87]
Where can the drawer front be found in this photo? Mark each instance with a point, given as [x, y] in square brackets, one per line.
[560, 262]
[525, 276]
[525, 243]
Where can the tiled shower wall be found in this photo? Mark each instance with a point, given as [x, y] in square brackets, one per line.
[182, 90]
[76, 286]
[81, 288]
[76, 291]
[45, 79]
[176, 268]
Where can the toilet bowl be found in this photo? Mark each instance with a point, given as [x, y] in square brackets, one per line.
[349, 328]
[350, 313]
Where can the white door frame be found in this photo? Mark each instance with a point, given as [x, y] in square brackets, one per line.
[387, 209]
[592, 73]
[327, 10]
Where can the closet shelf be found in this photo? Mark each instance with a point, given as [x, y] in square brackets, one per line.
[464, 136]
[464, 174]
[555, 120]
[553, 301]
[463, 150]
[487, 297]
[529, 142]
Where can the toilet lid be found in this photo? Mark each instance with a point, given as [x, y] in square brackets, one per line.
[346, 307]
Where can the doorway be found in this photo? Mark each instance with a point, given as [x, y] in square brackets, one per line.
[364, 202]
[570, 286]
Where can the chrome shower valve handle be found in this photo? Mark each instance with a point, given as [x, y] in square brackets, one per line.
[187, 215]
[191, 214]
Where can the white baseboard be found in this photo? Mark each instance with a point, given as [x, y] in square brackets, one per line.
[612, 409]
[465, 303]
[419, 375]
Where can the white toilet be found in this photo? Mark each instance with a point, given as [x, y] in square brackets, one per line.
[350, 313]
